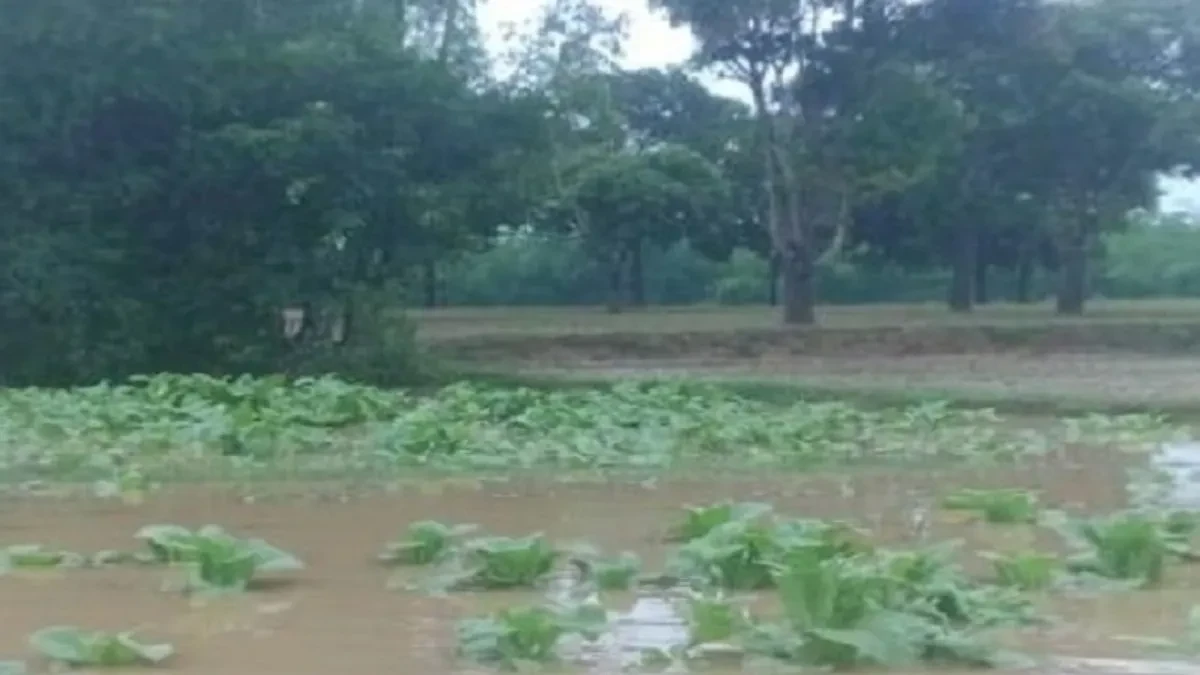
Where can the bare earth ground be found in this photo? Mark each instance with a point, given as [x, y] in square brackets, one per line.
[1103, 378]
[460, 323]
[1119, 354]
[337, 617]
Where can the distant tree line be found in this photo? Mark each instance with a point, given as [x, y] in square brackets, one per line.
[1150, 257]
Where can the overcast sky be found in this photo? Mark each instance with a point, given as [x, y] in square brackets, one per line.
[653, 44]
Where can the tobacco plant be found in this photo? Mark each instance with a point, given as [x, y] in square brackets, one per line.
[1133, 546]
[426, 542]
[178, 425]
[1028, 571]
[995, 506]
[497, 563]
[76, 647]
[520, 638]
[215, 560]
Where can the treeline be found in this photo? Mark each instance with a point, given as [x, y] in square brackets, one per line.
[1152, 259]
[175, 173]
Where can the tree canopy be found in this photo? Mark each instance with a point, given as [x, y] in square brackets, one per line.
[175, 173]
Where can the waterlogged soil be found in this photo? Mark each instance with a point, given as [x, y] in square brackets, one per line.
[338, 616]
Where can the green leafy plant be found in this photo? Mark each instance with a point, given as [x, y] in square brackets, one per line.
[1027, 571]
[1130, 546]
[497, 563]
[746, 554]
[698, 521]
[849, 606]
[426, 542]
[35, 556]
[214, 559]
[995, 506]
[615, 573]
[79, 647]
[737, 555]
[714, 619]
[520, 637]
[235, 423]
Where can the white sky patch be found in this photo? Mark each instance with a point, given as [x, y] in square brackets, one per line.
[651, 43]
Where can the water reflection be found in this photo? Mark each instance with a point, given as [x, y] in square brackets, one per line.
[1126, 667]
[1177, 471]
[651, 626]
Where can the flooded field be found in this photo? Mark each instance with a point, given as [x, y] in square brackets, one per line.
[616, 528]
[339, 614]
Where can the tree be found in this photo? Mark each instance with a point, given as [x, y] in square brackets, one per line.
[1105, 128]
[188, 170]
[767, 45]
[617, 202]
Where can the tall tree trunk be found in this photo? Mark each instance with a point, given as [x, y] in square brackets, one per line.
[773, 280]
[1073, 269]
[790, 236]
[962, 281]
[637, 274]
[981, 280]
[449, 34]
[430, 283]
[799, 286]
[1025, 279]
[616, 283]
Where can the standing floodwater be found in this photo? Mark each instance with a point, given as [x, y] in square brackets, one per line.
[1177, 472]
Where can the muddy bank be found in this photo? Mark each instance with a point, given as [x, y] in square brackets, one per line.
[1123, 337]
[1120, 381]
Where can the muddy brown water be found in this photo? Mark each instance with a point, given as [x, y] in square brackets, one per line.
[338, 616]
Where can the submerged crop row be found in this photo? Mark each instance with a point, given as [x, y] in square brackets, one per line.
[171, 424]
[841, 600]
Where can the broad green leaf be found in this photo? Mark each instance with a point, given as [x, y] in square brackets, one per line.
[79, 647]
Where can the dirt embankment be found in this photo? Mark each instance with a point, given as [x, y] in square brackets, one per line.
[563, 350]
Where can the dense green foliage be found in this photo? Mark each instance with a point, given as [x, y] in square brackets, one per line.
[131, 435]
[176, 174]
[1152, 258]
